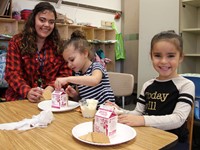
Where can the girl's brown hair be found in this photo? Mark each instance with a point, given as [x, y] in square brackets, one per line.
[79, 42]
[170, 36]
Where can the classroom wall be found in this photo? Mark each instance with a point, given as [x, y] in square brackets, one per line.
[130, 29]
[78, 14]
[110, 4]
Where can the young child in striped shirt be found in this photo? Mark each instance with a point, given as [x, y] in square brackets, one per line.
[90, 77]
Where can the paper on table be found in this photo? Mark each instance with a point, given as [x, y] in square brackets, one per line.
[41, 120]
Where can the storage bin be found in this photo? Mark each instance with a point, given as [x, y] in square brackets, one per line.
[3, 82]
[197, 109]
[196, 80]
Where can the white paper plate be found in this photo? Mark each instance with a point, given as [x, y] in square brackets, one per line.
[124, 133]
[46, 105]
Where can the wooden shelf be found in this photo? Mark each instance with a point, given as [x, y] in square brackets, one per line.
[8, 26]
[192, 55]
[190, 30]
[7, 20]
[195, 3]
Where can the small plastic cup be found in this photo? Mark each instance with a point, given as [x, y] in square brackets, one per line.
[88, 107]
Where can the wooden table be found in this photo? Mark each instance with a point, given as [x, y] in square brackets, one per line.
[58, 134]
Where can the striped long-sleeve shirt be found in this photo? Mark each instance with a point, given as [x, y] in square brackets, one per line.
[100, 92]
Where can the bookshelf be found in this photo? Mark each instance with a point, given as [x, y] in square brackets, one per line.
[190, 30]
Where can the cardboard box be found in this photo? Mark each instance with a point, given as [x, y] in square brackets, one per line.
[59, 99]
[105, 121]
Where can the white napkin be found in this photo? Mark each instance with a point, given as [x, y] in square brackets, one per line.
[41, 120]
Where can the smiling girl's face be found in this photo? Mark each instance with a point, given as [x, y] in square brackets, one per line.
[166, 59]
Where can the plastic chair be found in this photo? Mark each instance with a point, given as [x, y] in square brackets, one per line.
[122, 84]
[195, 78]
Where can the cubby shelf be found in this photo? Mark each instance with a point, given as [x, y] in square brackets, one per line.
[195, 3]
[190, 31]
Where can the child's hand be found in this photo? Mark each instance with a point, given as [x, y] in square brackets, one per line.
[131, 120]
[72, 92]
[109, 103]
[117, 109]
[59, 83]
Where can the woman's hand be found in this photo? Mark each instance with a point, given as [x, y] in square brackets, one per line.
[34, 95]
[131, 120]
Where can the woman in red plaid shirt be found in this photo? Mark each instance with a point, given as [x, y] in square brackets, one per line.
[34, 57]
